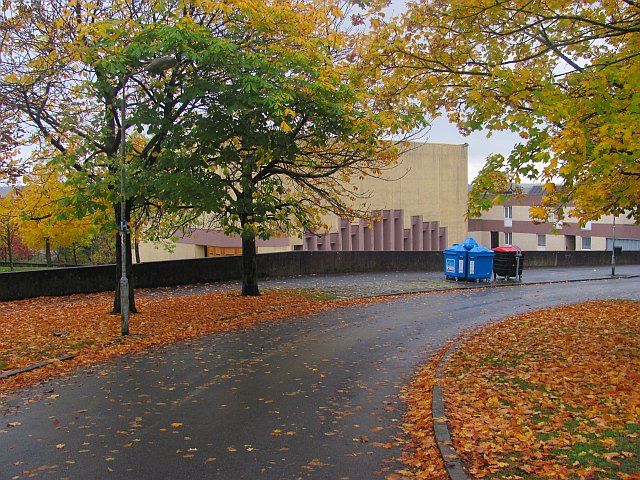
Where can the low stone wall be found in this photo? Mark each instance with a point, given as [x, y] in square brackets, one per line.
[578, 259]
[56, 281]
[64, 281]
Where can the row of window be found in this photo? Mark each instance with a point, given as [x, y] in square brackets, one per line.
[508, 215]
[542, 240]
[586, 242]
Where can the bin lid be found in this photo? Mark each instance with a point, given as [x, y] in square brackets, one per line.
[456, 248]
[482, 250]
[507, 249]
[469, 243]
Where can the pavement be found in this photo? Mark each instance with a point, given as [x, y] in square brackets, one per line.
[356, 285]
[310, 398]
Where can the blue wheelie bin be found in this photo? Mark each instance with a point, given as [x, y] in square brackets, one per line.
[455, 262]
[480, 263]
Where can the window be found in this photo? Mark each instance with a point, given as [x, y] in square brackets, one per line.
[542, 240]
[508, 238]
[586, 243]
[624, 243]
[508, 214]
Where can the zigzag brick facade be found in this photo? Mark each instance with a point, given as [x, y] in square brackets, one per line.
[385, 231]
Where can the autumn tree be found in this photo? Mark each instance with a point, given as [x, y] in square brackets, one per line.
[12, 138]
[68, 64]
[9, 221]
[47, 220]
[286, 124]
[65, 66]
[565, 75]
[48, 76]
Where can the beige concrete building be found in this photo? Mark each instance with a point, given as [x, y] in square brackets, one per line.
[421, 205]
[510, 224]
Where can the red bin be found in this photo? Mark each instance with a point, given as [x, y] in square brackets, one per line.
[508, 262]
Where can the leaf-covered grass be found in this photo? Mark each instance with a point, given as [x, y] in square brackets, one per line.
[49, 327]
[550, 394]
[20, 269]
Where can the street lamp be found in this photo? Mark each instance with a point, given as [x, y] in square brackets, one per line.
[155, 66]
[613, 248]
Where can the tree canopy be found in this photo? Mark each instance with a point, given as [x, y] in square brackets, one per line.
[565, 75]
[48, 219]
[268, 112]
[283, 126]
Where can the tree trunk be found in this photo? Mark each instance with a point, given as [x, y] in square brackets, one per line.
[116, 298]
[246, 214]
[47, 250]
[249, 267]
[9, 248]
[136, 245]
[75, 256]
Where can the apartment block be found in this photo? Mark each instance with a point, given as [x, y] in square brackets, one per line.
[510, 224]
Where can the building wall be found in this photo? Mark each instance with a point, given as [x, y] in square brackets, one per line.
[525, 232]
[430, 180]
[168, 250]
[274, 249]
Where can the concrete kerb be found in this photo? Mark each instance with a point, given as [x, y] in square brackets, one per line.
[480, 286]
[452, 461]
[62, 358]
[33, 366]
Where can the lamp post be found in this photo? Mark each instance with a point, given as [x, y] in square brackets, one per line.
[613, 248]
[155, 66]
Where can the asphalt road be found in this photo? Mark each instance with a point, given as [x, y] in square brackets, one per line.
[313, 397]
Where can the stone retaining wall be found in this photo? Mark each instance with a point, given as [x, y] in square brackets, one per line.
[64, 281]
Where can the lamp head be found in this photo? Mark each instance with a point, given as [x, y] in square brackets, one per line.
[161, 64]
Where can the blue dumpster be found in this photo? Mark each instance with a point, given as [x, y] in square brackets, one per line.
[480, 263]
[455, 261]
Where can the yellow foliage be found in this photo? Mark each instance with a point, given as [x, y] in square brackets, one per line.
[567, 83]
[47, 212]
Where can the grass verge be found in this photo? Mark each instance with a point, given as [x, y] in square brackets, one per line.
[553, 393]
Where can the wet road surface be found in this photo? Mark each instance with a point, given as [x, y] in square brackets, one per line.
[310, 398]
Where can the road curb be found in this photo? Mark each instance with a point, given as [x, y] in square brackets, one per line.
[498, 285]
[452, 461]
[33, 366]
